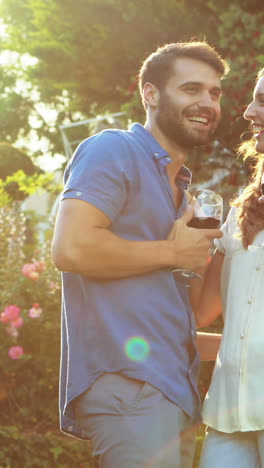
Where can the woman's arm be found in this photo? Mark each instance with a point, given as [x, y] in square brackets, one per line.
[208, 345]
[206, 302]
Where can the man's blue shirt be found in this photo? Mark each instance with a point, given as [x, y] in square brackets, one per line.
[140, 326]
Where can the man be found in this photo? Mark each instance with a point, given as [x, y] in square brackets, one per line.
[129, 361]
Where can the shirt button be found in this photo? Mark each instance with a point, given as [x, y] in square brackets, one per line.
[78, 194]
[242, 336]
[258, 267]
[156, 154]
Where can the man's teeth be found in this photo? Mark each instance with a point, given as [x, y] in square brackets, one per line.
[199, 119]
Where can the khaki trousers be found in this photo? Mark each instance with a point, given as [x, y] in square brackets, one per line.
[133, 425]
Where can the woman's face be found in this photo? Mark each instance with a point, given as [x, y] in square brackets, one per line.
[255, 113]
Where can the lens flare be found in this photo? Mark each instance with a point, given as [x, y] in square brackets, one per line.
[137, 348]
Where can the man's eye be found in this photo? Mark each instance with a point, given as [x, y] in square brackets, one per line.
[191, 89]
[216, 94]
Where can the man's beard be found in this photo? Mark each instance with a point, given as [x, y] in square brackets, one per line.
[170, 122]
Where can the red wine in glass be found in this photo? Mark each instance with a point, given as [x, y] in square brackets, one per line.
[208, 212]
[208, 222]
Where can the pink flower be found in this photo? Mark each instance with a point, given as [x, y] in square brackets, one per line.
[15, 352]
[28, 268]
[35, 311]
[4, 317]
[17, 323]
[10, 313]
[33, 270]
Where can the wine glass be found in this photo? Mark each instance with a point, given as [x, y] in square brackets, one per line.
[208, 214]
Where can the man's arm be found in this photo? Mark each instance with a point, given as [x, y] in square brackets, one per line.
[83, 243]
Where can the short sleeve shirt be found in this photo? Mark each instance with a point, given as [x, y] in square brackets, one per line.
[141, 326]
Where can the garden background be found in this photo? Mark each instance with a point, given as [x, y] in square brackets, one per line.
[64, 62]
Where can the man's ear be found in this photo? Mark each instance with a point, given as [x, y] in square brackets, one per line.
[150, 95]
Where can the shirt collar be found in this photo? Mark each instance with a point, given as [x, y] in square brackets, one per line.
[151, 144]
[184, 176]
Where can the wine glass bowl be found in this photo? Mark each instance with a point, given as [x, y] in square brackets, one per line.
[208, 210]
[208, 214]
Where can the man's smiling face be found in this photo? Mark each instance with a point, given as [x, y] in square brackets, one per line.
[188, 109]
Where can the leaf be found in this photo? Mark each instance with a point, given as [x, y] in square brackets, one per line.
[57, 451]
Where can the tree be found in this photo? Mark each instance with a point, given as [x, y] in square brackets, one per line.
[88, 54]
[241, 39]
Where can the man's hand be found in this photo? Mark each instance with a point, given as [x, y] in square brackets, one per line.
[191, 245]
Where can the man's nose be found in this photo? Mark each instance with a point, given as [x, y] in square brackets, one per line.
[207, 100]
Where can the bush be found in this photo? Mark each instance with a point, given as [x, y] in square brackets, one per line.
[30, 347]
[29, 328]
[47, 450]
[11, 161]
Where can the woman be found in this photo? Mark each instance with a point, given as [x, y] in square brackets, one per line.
[234, 406]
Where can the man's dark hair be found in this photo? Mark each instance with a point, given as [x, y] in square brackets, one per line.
[158, 66]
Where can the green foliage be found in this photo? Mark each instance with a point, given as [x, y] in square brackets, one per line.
[19, 177]
[13, 159]
[19, 186]
[14, 110]
[39, 364]
[29, 434]
[88, 54]
[47, 450]
[241, 39]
